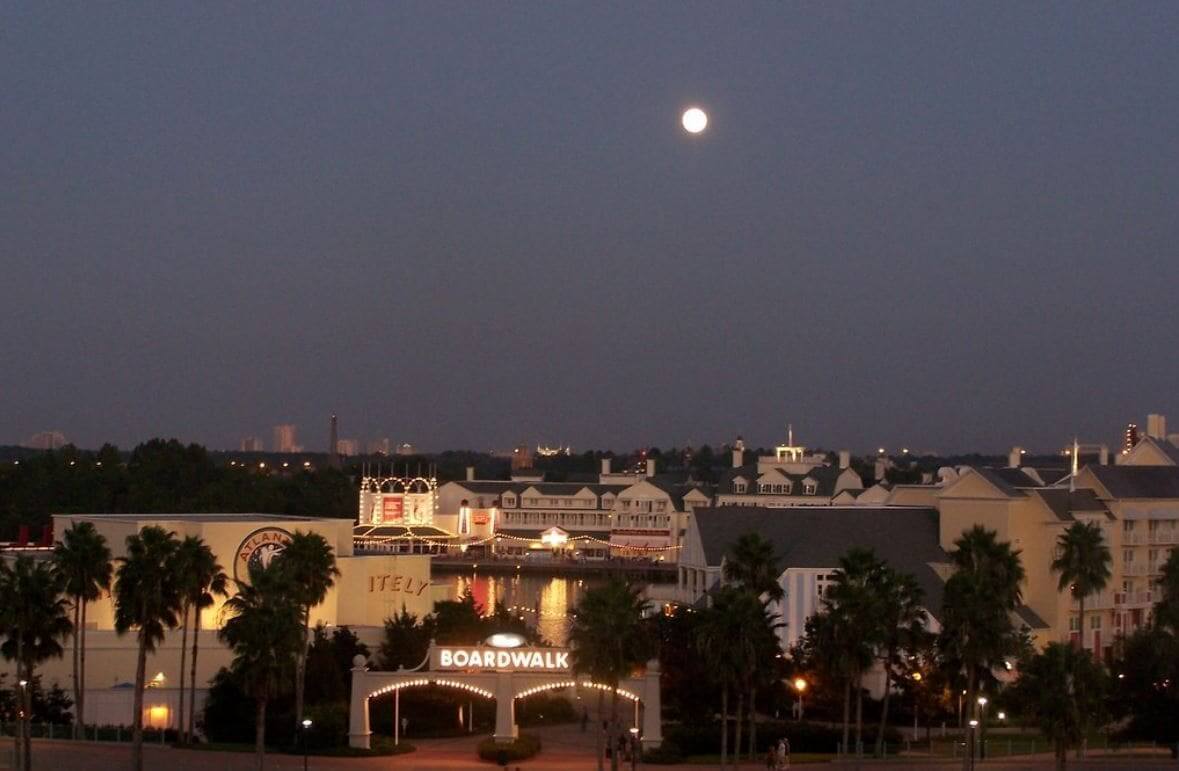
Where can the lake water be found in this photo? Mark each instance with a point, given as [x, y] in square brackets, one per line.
[543, 600]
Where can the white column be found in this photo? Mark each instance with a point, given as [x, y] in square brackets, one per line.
[505, 709]
[358, 730]
[652, 708]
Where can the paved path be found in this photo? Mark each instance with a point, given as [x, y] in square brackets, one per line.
[436, 755]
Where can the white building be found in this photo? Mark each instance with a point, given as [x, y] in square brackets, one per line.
[619, 515]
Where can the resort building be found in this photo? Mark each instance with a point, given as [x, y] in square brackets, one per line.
[370, 588]
[619, 515]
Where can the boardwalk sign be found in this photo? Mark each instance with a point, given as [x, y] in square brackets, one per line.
[485, 659]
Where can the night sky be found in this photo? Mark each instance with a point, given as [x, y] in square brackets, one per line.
[946, 226]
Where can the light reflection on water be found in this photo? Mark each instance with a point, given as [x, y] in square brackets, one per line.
[544, 601]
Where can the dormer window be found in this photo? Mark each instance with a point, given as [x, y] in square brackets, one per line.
[809, 488]
[764, 488]
[738, 487]
[509, 500]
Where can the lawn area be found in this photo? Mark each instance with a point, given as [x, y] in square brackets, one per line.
[797, 757]
[381, 747]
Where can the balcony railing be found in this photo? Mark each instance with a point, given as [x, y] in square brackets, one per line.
[1103, 601]
[1134, 538]
[1165, 537]
[1136, 569]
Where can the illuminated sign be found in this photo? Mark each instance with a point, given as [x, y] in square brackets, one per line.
[392, 508]
[500, 660]
[258, 550]
[480, 518]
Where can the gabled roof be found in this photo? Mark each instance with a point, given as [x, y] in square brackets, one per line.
[1064, 503]
[816, 536]
[1163, 446]
[1138, 481]
[1030, 617]
[1008, 479]
[825, 478]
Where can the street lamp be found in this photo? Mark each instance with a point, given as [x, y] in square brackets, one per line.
[306, 728]
[970, 746]
[799, 686]
[634, 747]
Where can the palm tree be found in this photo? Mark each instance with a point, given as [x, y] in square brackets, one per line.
[207, 579]
[713, 640]
[309, 565]
[609, 640]
[264, 631]
[147, 599]
[752, 563]
[976, 606]
[1063, 691]
[903, 628]
[34, 623]
[1166, 607]
[853, 599]
[83, 560]
[1083, 565]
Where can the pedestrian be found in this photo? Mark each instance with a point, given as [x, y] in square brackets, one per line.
[771, 759]
[785, 745]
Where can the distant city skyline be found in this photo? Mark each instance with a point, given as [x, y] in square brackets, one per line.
[285, 441]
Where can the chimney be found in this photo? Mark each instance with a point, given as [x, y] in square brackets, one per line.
[470, 473]
[738, 457]
[844, 459]
[1104, 455]
[650, 467]
[1015, 457]
[605, 465]
[1156, 426]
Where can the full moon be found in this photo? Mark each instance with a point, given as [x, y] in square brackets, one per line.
[694, 120]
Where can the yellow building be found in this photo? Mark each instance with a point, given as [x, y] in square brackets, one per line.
[371, 587]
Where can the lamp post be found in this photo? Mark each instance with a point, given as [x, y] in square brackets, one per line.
[21, 729]
[799, 686]
[634, 747]
[306, 728]
[970, 745]
[982, 714]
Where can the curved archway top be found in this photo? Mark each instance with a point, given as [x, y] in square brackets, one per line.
[623, 692]
[423, 682]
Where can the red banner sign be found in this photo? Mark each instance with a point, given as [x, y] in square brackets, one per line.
[392, 508]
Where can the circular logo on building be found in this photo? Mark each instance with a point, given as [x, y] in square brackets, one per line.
[258, 550]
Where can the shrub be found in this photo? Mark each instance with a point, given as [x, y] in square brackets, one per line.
[666, 754]
[522, 748]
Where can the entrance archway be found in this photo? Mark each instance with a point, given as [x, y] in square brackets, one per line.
[502, 675]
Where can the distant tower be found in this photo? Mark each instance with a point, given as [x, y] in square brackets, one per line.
[333, 443]
[284, 438]
[1131, 438]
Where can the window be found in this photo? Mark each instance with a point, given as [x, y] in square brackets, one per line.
[1095, 622]
[809, 488]
[739, 487]
[1127, 525]
[1128, 556]
[764, 488]
[1072, 623]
